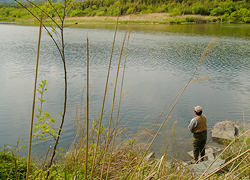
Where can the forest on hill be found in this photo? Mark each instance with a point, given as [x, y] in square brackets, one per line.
[230, 10]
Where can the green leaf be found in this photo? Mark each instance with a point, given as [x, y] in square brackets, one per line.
[52, 120]
[46, 115]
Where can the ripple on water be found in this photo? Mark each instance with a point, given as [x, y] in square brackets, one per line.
[158, 65]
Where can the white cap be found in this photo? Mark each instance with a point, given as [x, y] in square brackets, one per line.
[197, 109]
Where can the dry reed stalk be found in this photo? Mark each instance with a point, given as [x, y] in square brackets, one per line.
[246, 167]
[244, 140]
[104, 98]
[164, 156]
[34, 97]
[113, 103]
[231, 171]
[226, 164]
[87, 115]
[210, 45]
[201, 176]
[240, 150]
[120, 98]
[174, 139]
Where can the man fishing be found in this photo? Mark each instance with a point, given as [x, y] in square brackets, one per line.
[198, 126]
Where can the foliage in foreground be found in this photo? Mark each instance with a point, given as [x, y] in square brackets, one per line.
[240, 168]
[11, 165]
[124, 161]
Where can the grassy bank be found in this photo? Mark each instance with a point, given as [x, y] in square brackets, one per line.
[125, 160]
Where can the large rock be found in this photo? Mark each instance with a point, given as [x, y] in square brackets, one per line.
[225, 130]
[228, 130]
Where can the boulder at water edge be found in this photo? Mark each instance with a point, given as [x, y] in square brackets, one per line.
[228, 130]
[225, 130]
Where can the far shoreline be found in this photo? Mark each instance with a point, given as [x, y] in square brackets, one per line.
[152, 18]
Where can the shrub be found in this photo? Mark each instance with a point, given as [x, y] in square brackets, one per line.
[246, 19]
[7, 166]
[190, 19]
[162, 8]
[225, 17]
[140, 7]
[100, 13]
[146, 11]
[186, 10]
[150, 8]
[240, 15]
[175, 12]
[76, 13]
[87, 12]
[93, 13]
[124, 9]
[112, 12]
[199, 8]
[217, 11]
[94, 7]
[129, 11]
[214, 19]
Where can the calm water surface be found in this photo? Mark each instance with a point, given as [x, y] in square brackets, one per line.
[160, 60]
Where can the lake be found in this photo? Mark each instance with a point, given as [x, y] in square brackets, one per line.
[160, 61]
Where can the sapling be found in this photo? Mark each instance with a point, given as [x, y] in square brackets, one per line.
[44, 128]
[57, 36]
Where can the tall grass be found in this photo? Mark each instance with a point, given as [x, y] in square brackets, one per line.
[34, 97]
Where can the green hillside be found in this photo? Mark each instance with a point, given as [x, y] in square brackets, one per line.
[226, 11]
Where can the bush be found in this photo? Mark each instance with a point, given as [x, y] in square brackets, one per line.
[161, 9]
[214, 19]
[129, 11]
[246, 19]
[87, 12]
[112, 12]
[76, 13]
[125, 8]
[186, 10]
[225, 17]
[100, 13]
[150, 8]
[190, 19]
[240, 15]
[199, 8]
[93, 13]
[7, 166]
[140, 7]
[175, 12]
[148, 11]
[217, 11]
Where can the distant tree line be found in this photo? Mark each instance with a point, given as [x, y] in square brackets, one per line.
[228, 10]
